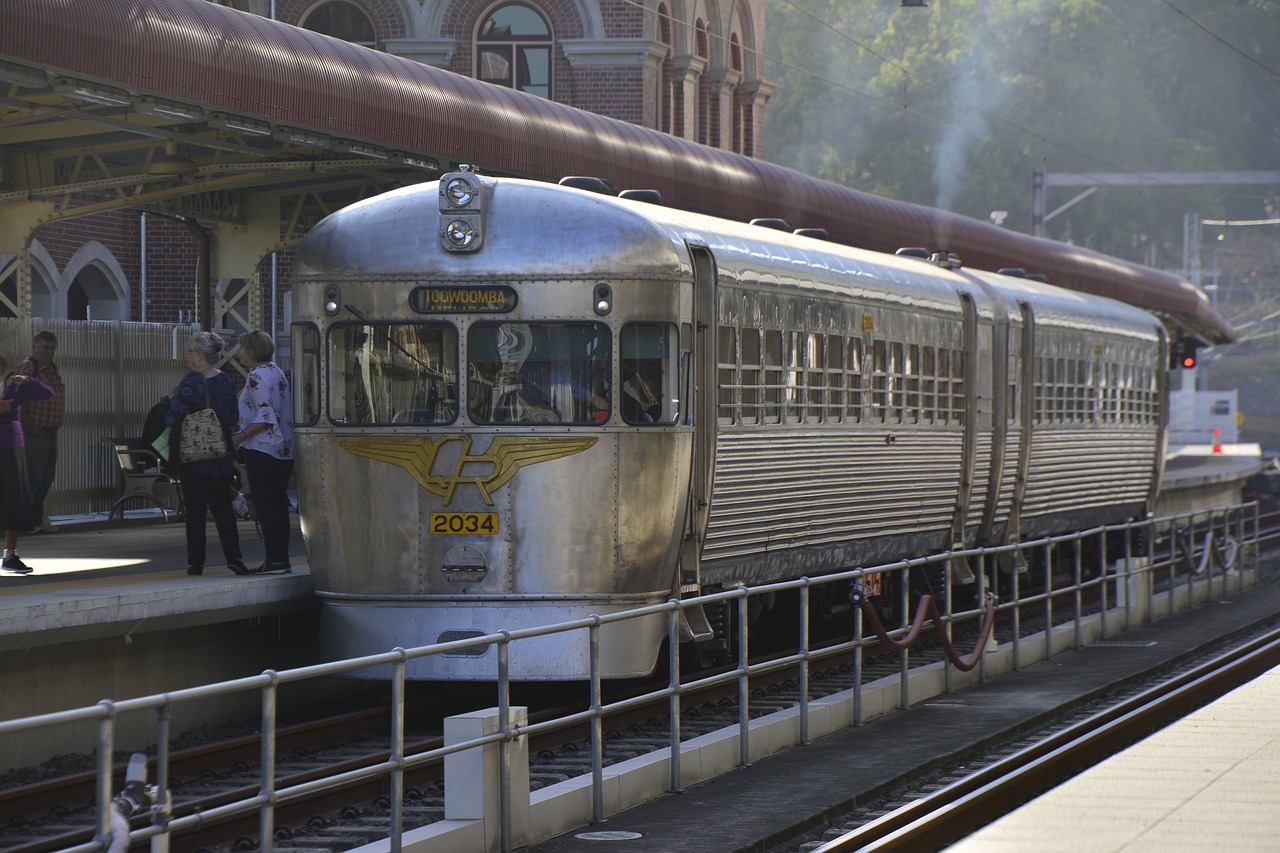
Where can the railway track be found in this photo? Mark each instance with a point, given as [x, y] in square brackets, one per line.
[57, 813]
[950, 804]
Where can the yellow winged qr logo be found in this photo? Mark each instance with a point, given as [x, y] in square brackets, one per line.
[506, 455]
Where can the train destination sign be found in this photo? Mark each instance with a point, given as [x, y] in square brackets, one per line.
[462, 299]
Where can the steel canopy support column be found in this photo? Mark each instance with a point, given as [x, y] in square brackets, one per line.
[18, 224]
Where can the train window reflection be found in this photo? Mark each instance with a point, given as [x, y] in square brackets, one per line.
[305, 375]
[649, 389]
[393, 373]
[552, 373]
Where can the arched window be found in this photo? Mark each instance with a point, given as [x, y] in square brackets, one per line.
[342, 20]
[513, 49]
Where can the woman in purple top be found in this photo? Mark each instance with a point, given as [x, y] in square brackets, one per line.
[15, 491]
[206, 486]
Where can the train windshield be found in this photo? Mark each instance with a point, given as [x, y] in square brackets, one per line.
[393, 373]
[649, 393]
[552, 373]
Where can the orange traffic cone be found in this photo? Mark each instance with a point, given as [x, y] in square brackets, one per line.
[1217, 441]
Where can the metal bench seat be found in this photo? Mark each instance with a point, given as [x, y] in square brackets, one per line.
[143, 471]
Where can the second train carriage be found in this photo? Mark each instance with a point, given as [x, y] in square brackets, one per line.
[520, 403]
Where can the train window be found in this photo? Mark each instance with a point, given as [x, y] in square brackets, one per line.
[539, 373]
[774, 385]
[650, 390]
[879, 382]
[944, 386]
[957, 386]
[513, 49]
[911, 378]
[794, 378]
[855, 380]
[897, 381]
[815, 384]
[928, 384]
[306, 373]
[393, 373]
[835, 379]
[752, 378]
[727, 381]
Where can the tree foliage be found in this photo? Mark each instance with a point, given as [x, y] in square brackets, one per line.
[954, 105]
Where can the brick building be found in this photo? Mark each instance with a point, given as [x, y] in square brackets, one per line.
[687, 67]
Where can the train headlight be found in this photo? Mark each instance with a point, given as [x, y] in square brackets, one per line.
[602, 296]
[461, 211]
[332, 299]
[460, 234]
[459, 192]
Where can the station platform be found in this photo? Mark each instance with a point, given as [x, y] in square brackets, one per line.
[94, 578]
[788, 794]
[1211, 780]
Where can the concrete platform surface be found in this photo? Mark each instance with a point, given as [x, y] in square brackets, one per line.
[94, 578]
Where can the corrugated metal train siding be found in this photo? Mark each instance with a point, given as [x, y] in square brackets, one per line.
[815, 490]
[1073, 471]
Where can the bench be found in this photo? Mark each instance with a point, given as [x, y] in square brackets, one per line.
[143, 471]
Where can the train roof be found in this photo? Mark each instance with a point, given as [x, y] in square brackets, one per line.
[566, 233]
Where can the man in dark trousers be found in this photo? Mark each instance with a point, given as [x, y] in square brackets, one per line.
[40, 424]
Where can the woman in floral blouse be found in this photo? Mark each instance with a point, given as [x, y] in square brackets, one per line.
[265, 436]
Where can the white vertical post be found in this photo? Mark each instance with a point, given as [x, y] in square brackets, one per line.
[473, 777]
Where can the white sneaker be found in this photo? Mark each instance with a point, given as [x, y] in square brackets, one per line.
[240, 506]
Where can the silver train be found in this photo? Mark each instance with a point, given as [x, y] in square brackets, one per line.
[520, 403]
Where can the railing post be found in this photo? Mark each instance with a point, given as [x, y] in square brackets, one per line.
[106, 749]
[857, 660]
[673, 698]
[396, 793]
[267, 772]
[744, 684]
[804, 662]
[597, 728]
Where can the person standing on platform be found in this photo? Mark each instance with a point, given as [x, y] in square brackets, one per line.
[206, 485]
[41, 421]
[15, 492]
[264, 436]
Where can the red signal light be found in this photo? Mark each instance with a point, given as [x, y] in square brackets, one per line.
[1188, 361]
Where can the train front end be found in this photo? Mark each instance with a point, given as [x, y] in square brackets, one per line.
[488, 382]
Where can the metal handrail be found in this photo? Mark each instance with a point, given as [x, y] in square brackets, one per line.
[1203, 534]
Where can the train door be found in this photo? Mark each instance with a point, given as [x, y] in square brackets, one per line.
[961, 573]
[1027, 411]
[704, 398]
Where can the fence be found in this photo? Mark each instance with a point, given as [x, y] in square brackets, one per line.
[114, 372]
[1190, 558]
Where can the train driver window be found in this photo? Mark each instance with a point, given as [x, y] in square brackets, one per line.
[306, 373]
[550, 373]
[393, 373]
[648, 393]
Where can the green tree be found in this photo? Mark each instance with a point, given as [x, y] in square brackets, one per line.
[955, 104]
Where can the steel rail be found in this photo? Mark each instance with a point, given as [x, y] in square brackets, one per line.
[950, 813]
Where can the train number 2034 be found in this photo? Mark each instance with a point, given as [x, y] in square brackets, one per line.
[481, 523]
